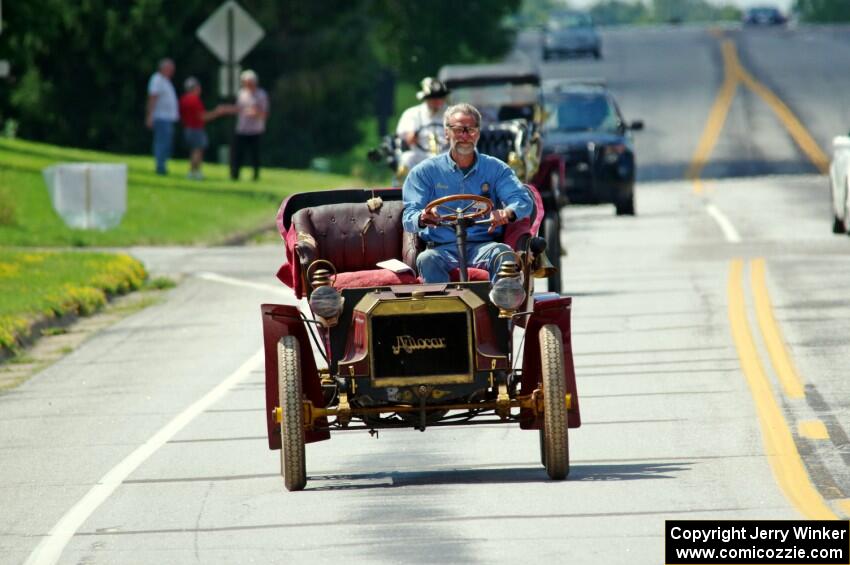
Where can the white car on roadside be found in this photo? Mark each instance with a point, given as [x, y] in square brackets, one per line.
[839, 184]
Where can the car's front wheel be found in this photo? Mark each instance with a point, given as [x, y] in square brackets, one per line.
[293, 465]
[555, 453]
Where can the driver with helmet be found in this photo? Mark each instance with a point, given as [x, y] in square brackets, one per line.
[419, 121]
[461, 170]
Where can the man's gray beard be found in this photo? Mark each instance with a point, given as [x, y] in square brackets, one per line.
[465, 150]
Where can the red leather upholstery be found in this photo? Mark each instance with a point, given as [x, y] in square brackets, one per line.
[354, 239]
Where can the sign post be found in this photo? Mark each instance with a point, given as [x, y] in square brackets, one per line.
[230, 33]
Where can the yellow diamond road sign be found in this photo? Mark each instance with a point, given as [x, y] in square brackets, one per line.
[230, 32]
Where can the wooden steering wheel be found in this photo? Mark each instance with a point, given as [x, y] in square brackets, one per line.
[480, 206]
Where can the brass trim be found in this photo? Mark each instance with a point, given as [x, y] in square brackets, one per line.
[533, 402]
[425, 380]
[410, 307]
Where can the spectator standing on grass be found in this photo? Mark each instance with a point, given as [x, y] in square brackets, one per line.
[194, 116]
[161, 113]
[252, 103]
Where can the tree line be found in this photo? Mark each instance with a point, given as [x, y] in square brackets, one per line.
[80, 69]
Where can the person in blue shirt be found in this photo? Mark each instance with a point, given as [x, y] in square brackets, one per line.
[462, 170]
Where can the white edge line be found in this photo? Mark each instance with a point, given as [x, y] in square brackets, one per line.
[729, 231]
[49, 550]
[239, 282]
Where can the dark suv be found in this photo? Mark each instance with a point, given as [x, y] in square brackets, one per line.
[585, 127]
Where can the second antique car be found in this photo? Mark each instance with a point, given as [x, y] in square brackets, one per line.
[377, 349]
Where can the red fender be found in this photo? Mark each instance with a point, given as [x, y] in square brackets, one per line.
[278, 321]
[548, 309]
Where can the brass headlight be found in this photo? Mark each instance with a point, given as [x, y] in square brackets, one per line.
[325, 301]
[508, 293]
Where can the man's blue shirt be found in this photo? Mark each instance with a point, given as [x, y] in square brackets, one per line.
[440, 176]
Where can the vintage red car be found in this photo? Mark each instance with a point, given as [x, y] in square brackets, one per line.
[376, 331]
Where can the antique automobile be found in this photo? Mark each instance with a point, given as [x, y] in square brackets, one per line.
[511, 103]
[361, 353]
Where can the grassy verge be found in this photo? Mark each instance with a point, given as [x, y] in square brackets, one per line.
[42, 285]
[37, 287]
[160, 209]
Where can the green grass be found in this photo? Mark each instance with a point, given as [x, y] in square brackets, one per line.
[46, 284]
[160, 209]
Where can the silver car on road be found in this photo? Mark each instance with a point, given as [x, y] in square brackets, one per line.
[839, 184]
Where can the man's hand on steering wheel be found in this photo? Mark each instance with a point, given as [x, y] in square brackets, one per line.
[499, 217]
[429, 218]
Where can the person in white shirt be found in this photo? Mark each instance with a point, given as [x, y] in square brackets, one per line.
[162, 113]
[252, 105]
[421, 127]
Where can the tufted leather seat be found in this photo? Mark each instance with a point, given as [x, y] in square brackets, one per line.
[354, 239]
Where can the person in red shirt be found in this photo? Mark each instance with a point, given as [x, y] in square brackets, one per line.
[194, 116]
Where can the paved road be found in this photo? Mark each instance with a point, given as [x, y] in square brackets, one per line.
[172, 467]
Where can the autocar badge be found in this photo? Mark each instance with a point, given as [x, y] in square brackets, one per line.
[409, 344]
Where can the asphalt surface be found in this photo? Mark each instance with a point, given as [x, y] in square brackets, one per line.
[120, 453]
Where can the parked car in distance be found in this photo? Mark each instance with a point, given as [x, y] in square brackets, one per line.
[839, 184]
[569, 33]
[763, 16]
[585, 127]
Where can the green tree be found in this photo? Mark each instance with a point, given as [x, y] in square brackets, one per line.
[616, 12]
[80, 69]
[823, 11]
[416, 38]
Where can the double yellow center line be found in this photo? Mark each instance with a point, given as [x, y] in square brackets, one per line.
[735, 74]
[784, 458]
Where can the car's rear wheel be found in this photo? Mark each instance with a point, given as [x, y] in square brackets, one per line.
[552, 233]
[556, 450]
[293, 465]
[625, 205]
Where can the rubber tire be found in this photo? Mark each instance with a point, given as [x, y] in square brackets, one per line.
[552, 232]
[542, 448]
[555, 425]
[597, 54]
[293, 465]
[626, 206]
